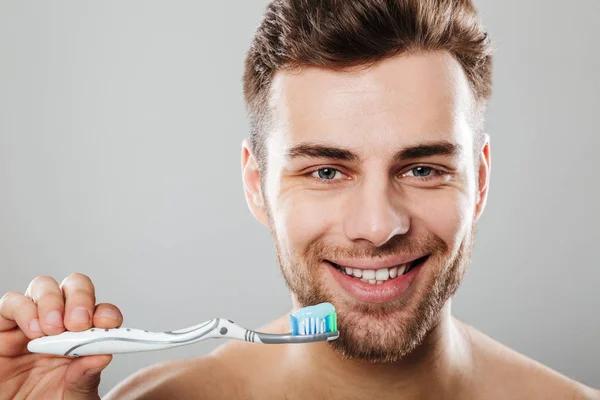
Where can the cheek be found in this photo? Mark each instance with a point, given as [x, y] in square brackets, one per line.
[302, 217]
[445, 213]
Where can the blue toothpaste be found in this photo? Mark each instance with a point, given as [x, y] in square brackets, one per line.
[320, 318]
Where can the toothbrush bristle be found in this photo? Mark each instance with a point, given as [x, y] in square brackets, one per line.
[303, 323]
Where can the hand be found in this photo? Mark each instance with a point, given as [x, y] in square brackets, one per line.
[49, 309]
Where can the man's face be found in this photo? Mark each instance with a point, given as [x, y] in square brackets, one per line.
[374, 170]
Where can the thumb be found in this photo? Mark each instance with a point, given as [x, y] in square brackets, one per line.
[83, 377]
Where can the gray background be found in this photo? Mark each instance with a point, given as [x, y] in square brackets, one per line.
[120, 131]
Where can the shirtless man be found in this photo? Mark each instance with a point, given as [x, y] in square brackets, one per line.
[366, 152]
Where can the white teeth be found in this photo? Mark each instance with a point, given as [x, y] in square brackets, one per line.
[376, 276]
[401, 270]
[368, 274]
[382, 274]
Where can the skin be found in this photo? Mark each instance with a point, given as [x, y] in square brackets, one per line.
[375, 200]
[47, 308]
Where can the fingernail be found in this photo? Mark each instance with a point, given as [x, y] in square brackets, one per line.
[80, 315]
[54, 318]
[108, 313]
[34, 325]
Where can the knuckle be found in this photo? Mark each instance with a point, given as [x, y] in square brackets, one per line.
[38, 285]
[7, 297]
[77, 278]
[42, 279]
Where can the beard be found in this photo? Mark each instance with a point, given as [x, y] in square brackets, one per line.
[379, 332]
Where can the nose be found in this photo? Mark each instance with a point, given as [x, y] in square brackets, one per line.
[375, 214]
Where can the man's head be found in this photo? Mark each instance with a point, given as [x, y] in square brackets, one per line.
[367, 152]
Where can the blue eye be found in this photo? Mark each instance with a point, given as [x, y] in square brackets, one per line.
[326, 173]
[421, 172]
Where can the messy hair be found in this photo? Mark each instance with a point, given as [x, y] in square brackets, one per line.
[338, 34]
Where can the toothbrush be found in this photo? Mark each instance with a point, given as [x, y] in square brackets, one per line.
[310, 324]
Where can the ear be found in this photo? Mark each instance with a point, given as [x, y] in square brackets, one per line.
[483, 181]
[251, 180]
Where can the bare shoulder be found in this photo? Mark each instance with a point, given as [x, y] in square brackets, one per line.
[509, 374]
[206, 378]
[233, 371]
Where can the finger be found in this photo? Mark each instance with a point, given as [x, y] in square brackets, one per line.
[83, 376]
[107, 316]
[13, 343]
[80, 299]
[18, 310]
[44, 292]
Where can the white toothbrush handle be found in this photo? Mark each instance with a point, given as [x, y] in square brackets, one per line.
[128, 340]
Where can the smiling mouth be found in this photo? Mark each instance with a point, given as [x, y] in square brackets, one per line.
[379, 276]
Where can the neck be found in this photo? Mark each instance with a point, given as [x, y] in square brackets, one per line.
[437, 366]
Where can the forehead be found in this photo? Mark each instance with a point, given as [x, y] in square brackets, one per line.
[407, 98]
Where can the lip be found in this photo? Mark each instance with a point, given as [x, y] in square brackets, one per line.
[388, 291]
[376, 263]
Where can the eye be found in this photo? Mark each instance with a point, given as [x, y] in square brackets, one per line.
[420, 172]
[426, 175]
[326, 173]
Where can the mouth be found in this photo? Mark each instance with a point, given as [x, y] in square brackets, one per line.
[382, 284]
[381, 275]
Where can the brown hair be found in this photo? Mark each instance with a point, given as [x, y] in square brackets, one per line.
[345, 33]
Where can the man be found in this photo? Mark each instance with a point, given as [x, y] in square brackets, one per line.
[368, 163]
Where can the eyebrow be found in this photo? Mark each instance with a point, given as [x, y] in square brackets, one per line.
[421, 150]
[320, 151]
[428, 149]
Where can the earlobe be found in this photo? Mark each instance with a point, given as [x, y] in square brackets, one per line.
[483, 179]
[252, 184]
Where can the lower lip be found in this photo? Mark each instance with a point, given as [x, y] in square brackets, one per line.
[388, 291]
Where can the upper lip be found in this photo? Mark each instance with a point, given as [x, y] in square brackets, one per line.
[375, 263]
